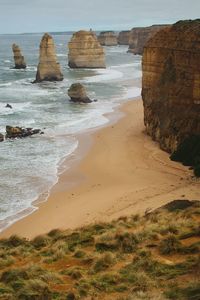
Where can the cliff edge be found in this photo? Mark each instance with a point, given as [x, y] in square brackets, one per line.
[171, 84]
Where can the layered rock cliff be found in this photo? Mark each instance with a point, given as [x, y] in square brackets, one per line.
[85, 51]
[107, 38]
[171, 84]
[124, 37]
[139, 37]
[48, 67]
[18, 57]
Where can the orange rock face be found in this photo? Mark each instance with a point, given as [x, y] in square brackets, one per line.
[171, 84]
[85, 51]
[18, 57]
[139, 37]
[48, 67]
[124, 37]
[107, 38]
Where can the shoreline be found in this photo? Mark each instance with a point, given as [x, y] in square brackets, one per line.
[121, 168]
[85, 141]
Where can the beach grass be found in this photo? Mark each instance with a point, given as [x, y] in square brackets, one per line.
[155, 256]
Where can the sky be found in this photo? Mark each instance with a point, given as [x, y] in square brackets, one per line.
[19, 16]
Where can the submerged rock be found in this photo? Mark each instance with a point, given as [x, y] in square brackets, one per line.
[85, 51]
[124, 37]
[1, 137]
[171, 85]
[107, 38]
[48, 67]
[77, 93]
[8, 106]
[18, 57]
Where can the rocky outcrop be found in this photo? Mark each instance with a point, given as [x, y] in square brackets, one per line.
[171, 84]
[107, 38]
[139, 37]
[77, 93]
[85, 51]
[48, 67]
[124, 37]
[18, 132]
[18, 57]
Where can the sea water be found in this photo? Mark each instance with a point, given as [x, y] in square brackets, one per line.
[29, 167]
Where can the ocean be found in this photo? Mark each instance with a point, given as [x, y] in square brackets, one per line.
[30, 167]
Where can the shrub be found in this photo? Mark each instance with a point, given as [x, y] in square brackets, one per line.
[104, 262]
[41, 241]
[170, 245]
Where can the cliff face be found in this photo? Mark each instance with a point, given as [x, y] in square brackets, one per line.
[139, 37]
[123, 37]
[85, 51]
[18, 58]
[48, 67]
[171, 84]
[107, 38]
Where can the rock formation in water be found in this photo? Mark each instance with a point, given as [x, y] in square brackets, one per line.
[18, 132]
[124, 37]
[85, 51]
[139, 37]
[171, 84]
[18, 57]
[107, 38]
[77, 93]
[48, 67]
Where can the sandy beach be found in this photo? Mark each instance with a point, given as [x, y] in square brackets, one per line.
[123, 172]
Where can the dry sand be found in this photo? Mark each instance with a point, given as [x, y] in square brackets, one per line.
[124, 172]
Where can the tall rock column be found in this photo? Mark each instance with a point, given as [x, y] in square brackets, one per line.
[85, 51]
[18, 57]
[124, 37]
[48, 67]
[107, 38]
[171, 84]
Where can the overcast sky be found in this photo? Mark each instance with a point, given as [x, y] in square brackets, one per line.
[18, 16]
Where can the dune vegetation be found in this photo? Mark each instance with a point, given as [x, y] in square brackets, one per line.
[155, 256]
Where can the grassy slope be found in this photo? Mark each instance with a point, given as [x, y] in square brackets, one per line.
[150, 257]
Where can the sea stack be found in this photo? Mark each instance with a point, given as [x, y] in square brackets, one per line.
[124, 37]
[48, 67]
[85, 51]
[18, 57]
[139, 36]
[77, 93]
[171, 84]
[107, 38]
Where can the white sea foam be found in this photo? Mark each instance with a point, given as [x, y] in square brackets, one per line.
[104, 75]
[34, 163]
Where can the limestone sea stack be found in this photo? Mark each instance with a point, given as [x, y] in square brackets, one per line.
[48, 67]
[18, 57]
[124, 37]
[85, 51]
[139, 36]
[171, 84]
[107, 38]
[77, 93]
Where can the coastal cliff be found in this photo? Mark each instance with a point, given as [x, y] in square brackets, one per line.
[171, 84]
[18, 57]
[107, 38]
[48, 67]
[123, 37]
[85, 51]
[139, 36]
